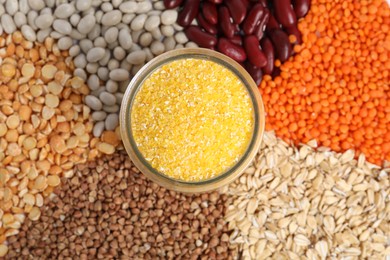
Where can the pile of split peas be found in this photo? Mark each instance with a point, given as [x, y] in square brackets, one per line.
[336, 89]
[192, 119]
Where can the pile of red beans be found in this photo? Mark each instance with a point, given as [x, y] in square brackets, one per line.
[253, 33]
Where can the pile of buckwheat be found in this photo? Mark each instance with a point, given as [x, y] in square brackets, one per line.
[110, 210]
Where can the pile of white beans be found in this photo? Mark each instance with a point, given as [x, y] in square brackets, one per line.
[109, 40]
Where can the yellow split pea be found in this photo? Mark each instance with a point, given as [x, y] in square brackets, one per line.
[192, 119]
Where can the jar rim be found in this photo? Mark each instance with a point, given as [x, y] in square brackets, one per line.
[176, 184]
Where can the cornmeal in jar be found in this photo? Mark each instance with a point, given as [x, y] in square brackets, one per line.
[192, 119]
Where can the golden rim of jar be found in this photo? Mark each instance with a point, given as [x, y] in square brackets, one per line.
[174, 184]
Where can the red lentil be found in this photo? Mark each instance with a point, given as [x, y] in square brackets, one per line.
[340, 77]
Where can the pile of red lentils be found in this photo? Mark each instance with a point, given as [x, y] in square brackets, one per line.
[336, 89]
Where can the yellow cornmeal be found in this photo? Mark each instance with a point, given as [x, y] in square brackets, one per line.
[192, 119]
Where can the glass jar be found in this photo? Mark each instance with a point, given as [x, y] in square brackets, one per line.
[175, 184]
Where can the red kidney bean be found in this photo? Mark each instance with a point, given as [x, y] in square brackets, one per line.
[234, 51]
[203, 39]
[301, 7]
[253, 51]
[284, 12]
[269, 53]
[189, 12]
[293, 30]
[253, 18]
[210, 13]
[237, 39]
[170, 4]
[281, 44]
[259, 30]
[216, 1]
[272, 24]
[237, 9]
[224, 18]
[255, 72]
[208, 27]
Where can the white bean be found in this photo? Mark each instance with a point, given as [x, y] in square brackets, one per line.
[75, 34]
[80, 73]
[136, 57]
[100, 42]
[11, 6]
[86, 24]
[106, 7]
[44, 21]
[119, 53]
[159, 5]
[83, 5]
[152, 23]
[75, 19]
[128, 7]
[167, 30]
[95, 54]
[112, 86]
[92, 67]
[65, 43]
[112, 18]
[93, 82]
[111, 109]
[146, 39]
[156, 33]
[99, 115]
[125, 39]
[181, 38]
[56, 35]
[80, 61]
[144, 7]
[74, 50]
[116, 3]
[111, 35]
[127, 18]
[107, 98]
[98, 128]
[93, 102]
[36, 5]
[8, 23]
[119, 75]
[23, 6]
[62, 26]
[20, 19]
[157, 47]
[169, 17]
[64, 11]
[112, 121]
[43, 34]
[103, 73]
[138, 22]
[28, 33]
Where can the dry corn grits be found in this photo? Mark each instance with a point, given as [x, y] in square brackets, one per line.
[109, 210]
[336, 89]
[309, 203]
[192, 119]
[44, 128]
